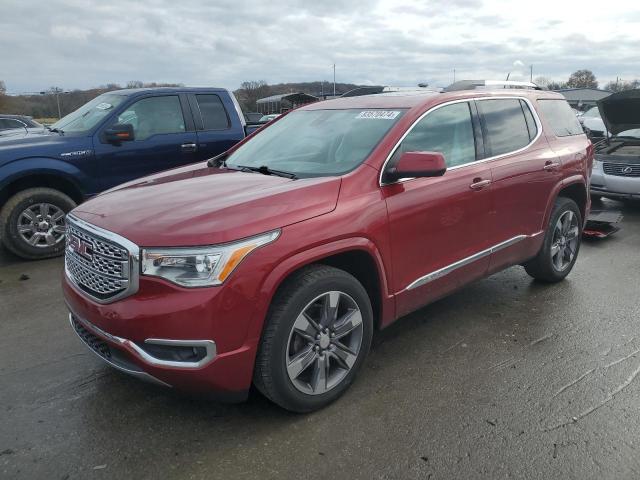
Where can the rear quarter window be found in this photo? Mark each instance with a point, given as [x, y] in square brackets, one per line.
[560, 117]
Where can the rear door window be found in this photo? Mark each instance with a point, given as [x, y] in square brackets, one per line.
[214, 116]
[561, 118]
[505, 124]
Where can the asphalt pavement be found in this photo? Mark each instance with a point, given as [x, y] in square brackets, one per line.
[508, 378]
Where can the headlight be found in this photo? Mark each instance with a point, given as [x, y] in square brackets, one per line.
[200, 266]
[597, 164]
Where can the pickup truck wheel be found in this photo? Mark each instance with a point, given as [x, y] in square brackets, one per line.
[317, 335]
[561, 245]
[32, 223]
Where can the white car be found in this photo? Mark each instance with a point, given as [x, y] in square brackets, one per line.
[592, 120]
[616, 166]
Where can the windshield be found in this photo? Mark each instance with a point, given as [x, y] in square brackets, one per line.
[634, 133]
[90, 114]
[314, 143]
[593, 112]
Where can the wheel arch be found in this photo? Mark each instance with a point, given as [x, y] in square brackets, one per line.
[357, 256]
[573, 188]
[42, 179]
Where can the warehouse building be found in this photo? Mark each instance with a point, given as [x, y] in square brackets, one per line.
[583, 98]
[284, 102]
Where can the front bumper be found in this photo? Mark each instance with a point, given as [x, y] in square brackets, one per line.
[128, 333]
[614, 186]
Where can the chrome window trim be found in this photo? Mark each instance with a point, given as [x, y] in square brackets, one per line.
[134, 259]
[441, 272]
[534, 113]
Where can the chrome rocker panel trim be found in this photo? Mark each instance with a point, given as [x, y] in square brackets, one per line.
[430, 277]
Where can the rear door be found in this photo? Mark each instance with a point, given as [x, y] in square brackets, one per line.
[524, 171]
[439, 226]
[164, 138]
[218, 126]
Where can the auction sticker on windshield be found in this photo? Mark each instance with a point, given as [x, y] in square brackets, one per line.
[379, 114]
[104, 106]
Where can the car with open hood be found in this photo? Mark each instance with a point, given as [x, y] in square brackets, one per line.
[616, 168]
[272, 264]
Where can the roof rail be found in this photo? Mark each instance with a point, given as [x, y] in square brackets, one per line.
[473, 84]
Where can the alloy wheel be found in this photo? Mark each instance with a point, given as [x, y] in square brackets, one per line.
[565, 240]
[41, 225]
[324, 343]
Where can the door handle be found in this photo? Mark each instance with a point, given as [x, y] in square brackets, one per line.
[549, 166]
[189, 147]
[479, 184]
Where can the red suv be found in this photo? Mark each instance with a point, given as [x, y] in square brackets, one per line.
[274, 263]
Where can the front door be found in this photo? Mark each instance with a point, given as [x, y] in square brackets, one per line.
[438, 227]
[161, 141]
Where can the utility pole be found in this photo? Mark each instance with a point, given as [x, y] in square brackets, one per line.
[531, 74]
[454, 75]
[334, 79]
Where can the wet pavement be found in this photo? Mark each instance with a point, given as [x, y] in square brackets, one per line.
[507, 378]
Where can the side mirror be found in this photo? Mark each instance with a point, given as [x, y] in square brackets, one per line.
[120, 132]
[418, 164]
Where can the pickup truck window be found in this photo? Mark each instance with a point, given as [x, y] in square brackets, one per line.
[90, 114]
[447, 130]
[154, 116]
[214, 116]
[314, 143]
[506, 125]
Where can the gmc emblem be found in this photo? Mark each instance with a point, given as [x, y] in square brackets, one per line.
[81, 247]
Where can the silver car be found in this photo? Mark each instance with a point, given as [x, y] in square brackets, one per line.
[616, 169]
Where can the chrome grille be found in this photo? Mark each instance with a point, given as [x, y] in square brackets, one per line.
[622, 169]
[102, 268]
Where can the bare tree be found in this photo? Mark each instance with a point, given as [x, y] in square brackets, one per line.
[582, 79]
[542, 82]
[135, 84]
[3, 93]
[621, 85]
[250, 92]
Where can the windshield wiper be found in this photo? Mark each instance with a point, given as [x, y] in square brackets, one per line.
[55, 130]
[264, 170]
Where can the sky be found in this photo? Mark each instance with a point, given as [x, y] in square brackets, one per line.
[80, 44]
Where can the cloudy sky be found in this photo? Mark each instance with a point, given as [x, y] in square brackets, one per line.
[79, 44]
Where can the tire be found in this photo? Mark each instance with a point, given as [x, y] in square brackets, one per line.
[275, 373]
[19, 223]
[560, 249]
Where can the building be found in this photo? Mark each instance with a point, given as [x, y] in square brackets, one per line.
[583, 98]
[284, 102]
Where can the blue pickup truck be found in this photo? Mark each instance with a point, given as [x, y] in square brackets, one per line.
[116, 137]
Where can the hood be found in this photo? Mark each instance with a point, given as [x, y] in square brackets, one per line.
[621, 111]
[200, 205]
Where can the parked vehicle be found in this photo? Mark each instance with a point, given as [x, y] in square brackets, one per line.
[275, 262]
[616, 170]
[18, 122]
[592, 121]
[268, 118]
[116, 137]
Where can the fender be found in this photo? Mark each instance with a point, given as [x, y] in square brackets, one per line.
[26, 167]
[571, 180]
[289, 265]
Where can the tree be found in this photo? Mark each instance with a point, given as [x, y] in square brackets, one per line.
[134, 84]
[582, 79]
[621, 85]
[553, 85]
[3, 94]
[250, 92]
[542, 82]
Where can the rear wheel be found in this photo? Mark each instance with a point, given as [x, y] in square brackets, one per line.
[32, 222]
[561, 245]
[317, 336]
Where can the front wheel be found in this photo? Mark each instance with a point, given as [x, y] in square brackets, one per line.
[32, 223]
[317, 335]
[561, 244]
